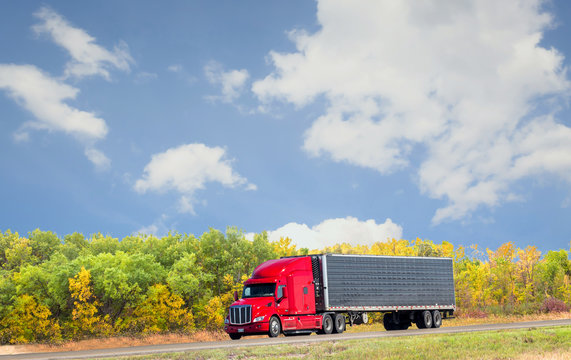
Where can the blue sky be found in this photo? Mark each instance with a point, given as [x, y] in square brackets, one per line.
[323, 121]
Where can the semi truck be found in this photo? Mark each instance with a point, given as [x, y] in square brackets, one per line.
[325, 293]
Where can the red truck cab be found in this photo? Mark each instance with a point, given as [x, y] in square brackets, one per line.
[280, 296]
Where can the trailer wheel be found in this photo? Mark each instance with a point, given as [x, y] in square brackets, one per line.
[235, 336]
[388, 322]
[327, 327]
[436, 319]
[275, 327]
[424, 320]
[339, 324]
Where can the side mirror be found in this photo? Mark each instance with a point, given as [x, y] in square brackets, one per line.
[282, 293]
[235, 295]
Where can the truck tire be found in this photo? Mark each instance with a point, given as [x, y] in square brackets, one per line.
[235, 336]
[436, 319]
[339, 324]
[388, 322]
[424, 319]
[275, 327]
[327, 327]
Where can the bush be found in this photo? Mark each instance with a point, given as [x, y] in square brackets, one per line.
[471, 313]
[554, 305]
[28, 322]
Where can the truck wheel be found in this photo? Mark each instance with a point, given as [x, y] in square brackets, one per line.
[235, 336]
[388, 322]
[275, 327]
[364, 318]
[436, 319]
[339, 324]
[327, 327]
[424, 320]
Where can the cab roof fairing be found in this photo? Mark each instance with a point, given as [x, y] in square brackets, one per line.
[271, 270]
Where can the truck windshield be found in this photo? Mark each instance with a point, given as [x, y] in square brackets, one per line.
[259, 290]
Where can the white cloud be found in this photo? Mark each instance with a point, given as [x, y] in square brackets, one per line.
[176, 68]
[231, 82]
[21, 136]
[88, 58]
[157, 228]
[148, 230]
[467, 83]
[189, 168]
[336, 231]
[98, 158]
[45, 97]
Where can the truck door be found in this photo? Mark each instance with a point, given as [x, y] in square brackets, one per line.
[283, 308]
[304, 298]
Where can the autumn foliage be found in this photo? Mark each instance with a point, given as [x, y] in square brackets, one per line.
[74, 287]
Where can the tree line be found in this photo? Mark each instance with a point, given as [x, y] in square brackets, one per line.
[54, 288]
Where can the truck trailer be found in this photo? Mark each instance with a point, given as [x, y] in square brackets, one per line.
[323, 293]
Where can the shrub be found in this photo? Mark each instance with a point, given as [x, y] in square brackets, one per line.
[554, 305]
[161, 311]
[471, 313]
[28, 322]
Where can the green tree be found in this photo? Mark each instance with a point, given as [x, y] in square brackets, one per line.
[7, 292]
[553, 269]
[43, 244]
[74, 245]
[120, 280]
[19, 253]
[166, 249]
[186, 276]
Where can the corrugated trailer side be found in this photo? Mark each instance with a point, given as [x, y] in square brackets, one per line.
[385, 283]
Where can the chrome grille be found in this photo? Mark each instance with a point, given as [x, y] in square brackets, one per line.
[240, 314]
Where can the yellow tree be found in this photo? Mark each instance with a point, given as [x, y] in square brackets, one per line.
[284, 247]
[392, 247]
[84, 314]
[503, 273]
[28, 322]
[161, 311]
[212, 314]
[526, 268]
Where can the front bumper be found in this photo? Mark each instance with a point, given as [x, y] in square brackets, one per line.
[248, 329]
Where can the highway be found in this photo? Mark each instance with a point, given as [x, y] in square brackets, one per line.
[245, 342]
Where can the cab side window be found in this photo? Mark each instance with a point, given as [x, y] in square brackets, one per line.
[281, 290]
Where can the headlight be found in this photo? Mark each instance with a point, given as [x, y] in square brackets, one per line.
[259, 318]
[226, 321]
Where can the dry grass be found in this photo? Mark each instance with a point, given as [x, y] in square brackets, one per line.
[464, 321]
[550, 355]
[116, 342]
[493, 319]
[204, 336]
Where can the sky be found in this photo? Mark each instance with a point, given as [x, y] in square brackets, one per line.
[326, 121]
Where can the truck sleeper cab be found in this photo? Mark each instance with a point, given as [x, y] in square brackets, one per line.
[322, 293]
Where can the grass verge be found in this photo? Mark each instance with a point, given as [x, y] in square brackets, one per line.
[464, 321]
[203, 336]
[538, 343]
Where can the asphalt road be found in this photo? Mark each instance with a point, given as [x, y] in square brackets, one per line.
[245, 342]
